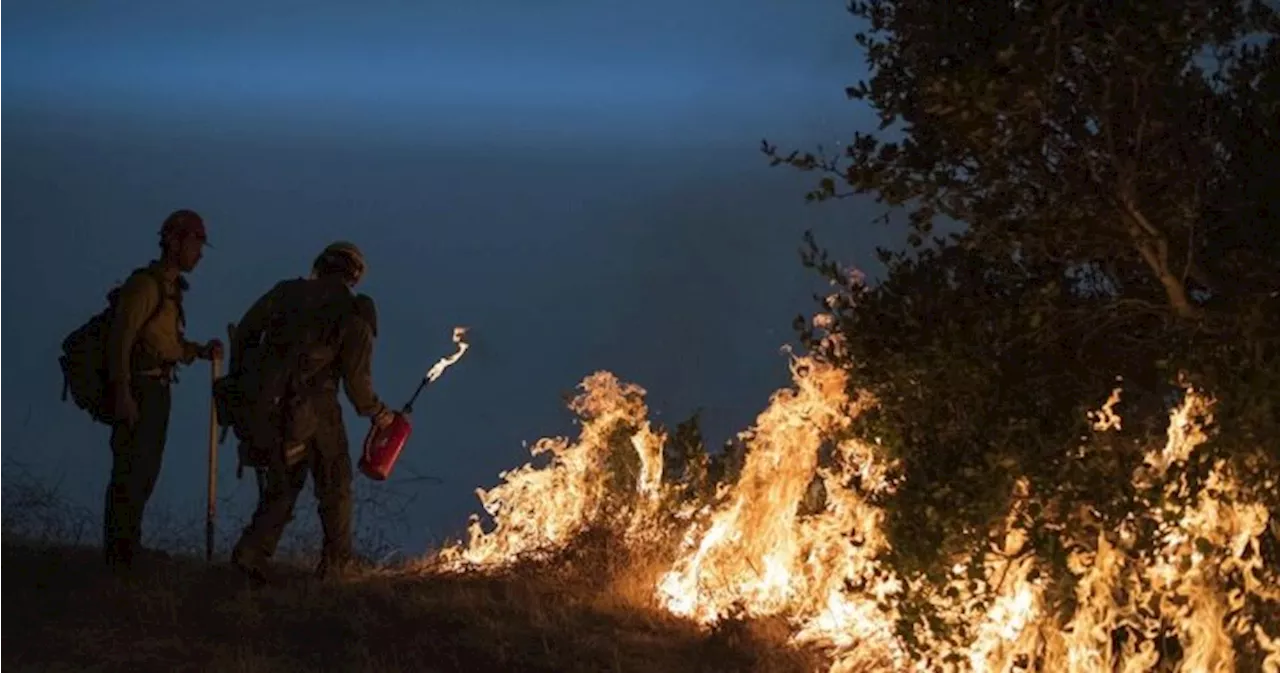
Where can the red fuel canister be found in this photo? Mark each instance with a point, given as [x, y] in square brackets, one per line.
[382, 447]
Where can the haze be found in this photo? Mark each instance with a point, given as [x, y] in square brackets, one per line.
[577, 182]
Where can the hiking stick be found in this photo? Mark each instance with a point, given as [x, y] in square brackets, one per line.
[231, 339]
[211, 511]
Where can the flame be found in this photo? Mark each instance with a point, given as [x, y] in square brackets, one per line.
[755, 553]
[759, 548]
[537, 511]
[460, 338]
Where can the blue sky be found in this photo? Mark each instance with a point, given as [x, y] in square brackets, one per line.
[579, 182]
[496, 67]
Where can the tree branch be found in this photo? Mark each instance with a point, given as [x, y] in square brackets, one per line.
[1154, 249]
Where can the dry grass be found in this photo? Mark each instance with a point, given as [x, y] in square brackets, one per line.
[587, 609]
[64, 612]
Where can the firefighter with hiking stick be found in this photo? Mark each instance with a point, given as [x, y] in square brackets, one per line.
[290, 350]
[144, 344]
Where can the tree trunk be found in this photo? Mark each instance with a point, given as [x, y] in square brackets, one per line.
[1153, 246]
[1176, 292]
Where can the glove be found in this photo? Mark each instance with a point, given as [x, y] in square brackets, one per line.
[211, 350]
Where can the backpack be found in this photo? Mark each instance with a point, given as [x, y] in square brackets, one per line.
[84, 355]
[234, 402]
[269, 401]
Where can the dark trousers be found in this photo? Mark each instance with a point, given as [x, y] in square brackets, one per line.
[329, 464]
[136, 455]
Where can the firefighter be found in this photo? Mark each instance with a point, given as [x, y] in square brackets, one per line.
[317, 316]
[368, 311]
[145, 343]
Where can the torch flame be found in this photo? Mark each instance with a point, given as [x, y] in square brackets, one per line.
[460, 338]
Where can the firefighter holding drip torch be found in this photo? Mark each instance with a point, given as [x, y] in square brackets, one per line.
[290, 349]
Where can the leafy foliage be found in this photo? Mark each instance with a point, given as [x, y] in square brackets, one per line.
[1116, 167]
[1072, 133]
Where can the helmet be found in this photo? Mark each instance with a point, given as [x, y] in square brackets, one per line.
[181, 223]
[366, 309]
[343, 257]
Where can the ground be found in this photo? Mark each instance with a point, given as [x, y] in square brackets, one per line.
[64, 612]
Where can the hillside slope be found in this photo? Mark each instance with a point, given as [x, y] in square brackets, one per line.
[62, 611]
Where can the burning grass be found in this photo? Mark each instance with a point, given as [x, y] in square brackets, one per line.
[605, 556]
[1194, 595]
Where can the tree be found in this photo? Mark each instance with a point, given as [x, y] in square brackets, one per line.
[1116, 168]
[983, 376]
[1073, 133]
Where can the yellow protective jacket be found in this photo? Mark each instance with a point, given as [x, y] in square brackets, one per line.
[146, 333]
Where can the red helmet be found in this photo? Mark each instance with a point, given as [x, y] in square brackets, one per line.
[181, 223]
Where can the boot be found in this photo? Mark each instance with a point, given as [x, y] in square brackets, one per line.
[252, 563]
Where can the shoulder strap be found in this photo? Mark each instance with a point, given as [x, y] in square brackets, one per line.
[159, 280]
[155, 278]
